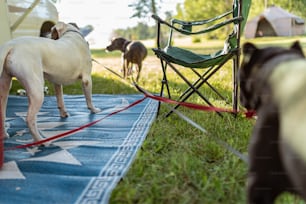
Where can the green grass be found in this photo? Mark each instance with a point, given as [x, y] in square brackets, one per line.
[178, 163]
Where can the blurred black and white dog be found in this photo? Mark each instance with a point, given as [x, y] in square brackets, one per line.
[273, 83]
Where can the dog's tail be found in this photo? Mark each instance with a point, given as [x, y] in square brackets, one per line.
[4, 51]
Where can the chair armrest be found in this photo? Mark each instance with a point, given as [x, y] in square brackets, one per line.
[186, 26]
[161, 21]
[186, 23]
[217, 26]
[201, 22]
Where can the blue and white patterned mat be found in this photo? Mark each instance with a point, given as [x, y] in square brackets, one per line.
[81, 168]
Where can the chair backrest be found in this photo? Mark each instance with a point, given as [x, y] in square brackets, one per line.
[239, 14]
[245, 9]
[240, 8]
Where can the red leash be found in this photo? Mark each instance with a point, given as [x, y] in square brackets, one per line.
[248, 114]
[72, 131]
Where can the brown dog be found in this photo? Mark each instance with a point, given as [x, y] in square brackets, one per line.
[273, 82]
[133, 52]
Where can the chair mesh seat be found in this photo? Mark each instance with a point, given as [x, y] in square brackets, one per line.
[190, 59]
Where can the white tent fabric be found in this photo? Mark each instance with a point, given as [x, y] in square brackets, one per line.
[275, 21]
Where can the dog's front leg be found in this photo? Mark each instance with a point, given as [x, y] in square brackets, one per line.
[124, 67]
[129, 68]
[267, 177]
[5, 85]
[139, 66]
[60, 101]
[87, 88]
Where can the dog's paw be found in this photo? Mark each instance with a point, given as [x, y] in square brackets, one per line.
[6, 135]
[95, 110]
[130, 71]
[6, 127]
[46, 144]
[64, 114]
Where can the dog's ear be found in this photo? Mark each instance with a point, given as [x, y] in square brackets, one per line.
[58, 30]
[54, 33]
[297, 47]
[249, 48]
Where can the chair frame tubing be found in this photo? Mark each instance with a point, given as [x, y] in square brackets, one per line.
[205, 75]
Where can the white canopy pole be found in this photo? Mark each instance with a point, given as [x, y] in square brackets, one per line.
[5, 34]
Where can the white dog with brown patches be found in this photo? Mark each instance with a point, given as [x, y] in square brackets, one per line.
[33, 59]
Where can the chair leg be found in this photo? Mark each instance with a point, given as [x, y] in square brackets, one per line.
[193, 87]
[196, 83]
[202, 79]
[193, 90]
[164, 83]
[165, 79]
[205, 78]
[217, 92]
[235, 83]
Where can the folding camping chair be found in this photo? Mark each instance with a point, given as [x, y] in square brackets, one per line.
[204, 66]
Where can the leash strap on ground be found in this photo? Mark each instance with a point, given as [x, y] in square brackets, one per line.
[217, 140]
[191, 122]
[108, 69]
[248, 114]
[65, 134]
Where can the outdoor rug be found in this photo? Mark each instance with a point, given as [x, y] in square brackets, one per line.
[83, 167]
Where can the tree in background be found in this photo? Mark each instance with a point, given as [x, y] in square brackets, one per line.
[203, 9]
[193, 10]
[198, 10]
[140, 32]
[292, 6]
[143, 9]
